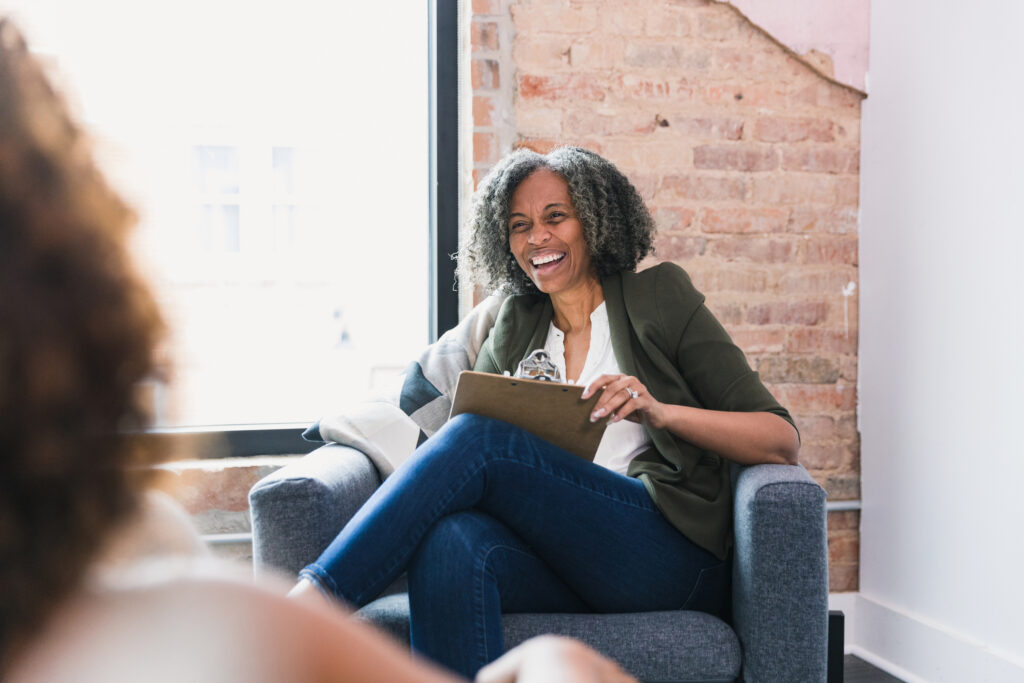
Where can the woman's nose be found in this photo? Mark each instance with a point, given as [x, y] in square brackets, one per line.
[538, 233]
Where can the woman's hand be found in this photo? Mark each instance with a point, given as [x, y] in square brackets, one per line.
[747, 438]
[624, 397]
[547, 659]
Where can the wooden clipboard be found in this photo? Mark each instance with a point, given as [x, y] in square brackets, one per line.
[551, 410]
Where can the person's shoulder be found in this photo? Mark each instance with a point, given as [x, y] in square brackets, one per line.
[664, 282]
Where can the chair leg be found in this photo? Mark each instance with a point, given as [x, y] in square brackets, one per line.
[835, 646]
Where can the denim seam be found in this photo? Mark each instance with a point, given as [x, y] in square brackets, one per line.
[478, 588]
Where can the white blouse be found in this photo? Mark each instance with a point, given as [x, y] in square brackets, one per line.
[622, 441]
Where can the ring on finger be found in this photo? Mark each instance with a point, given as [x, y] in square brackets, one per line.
[632, 394]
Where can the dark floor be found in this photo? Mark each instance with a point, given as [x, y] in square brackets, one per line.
[856, 670]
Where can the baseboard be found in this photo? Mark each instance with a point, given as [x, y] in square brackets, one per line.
[915, 650]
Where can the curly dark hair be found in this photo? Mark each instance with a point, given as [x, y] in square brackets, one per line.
[617, 226]
[78, 332]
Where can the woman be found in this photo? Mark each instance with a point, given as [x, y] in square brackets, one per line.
[78, 333]
[487, 518]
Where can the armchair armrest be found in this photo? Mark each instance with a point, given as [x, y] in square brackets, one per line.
[780, 574]
[298, 510]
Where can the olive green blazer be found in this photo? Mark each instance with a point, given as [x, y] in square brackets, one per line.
[664, 335]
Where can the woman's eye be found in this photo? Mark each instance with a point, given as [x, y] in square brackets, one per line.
[516, 227]
[555, 215]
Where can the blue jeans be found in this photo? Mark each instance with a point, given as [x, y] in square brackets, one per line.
[487, 518]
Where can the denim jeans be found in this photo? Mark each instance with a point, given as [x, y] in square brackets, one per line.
[487, 518]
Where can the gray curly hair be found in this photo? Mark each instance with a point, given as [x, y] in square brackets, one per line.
[617, 226]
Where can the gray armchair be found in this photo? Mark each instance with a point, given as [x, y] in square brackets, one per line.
[779, 623]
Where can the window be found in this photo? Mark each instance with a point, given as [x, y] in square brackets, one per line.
[278, 154]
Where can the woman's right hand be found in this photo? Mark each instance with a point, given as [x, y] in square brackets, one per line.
[551, 659]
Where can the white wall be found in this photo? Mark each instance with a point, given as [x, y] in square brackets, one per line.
[941, 374]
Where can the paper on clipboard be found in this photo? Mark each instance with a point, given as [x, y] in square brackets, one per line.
[551, 410]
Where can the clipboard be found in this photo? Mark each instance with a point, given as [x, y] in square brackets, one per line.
[551, 410]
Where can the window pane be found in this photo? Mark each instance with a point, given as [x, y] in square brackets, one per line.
[278, 156]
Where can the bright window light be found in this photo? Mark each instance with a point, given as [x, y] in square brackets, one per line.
[277, 154]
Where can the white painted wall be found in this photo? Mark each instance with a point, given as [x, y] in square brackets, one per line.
[941, 369]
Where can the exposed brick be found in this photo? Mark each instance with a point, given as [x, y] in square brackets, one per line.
[786, 129]
[583, 122]
[485, 147]
[539, 145]
[669, 219]
[571, 86]
[674, 247]
[798, 369]
[621, 19]
[727, 314]
[823, 219]
[721, 24]
[483, 35]
[632, 87]
[539, 121]
[818, 282]
[770, 95]
[483, 107]
[843, 548]
[816, 428]
[203, 486]
[542, 52]
[848, 191]
[667, 56]
[844, 520]
[485, 74]
[848, 369]
[633, 154]
[811, 340]
[825, 160]
[486, 7]
[751, 63]
[702, 128]
[743, 220]
[747, 248]
[730, 279]
[835, 250]
[787, 313]
[553, 18]
[606, 53]
[733, 158]
[666, 21]
[846, 428]
[808, 398]
[759, 340]
[841, 485]
[825, 456]
[794, 189]
[843, 578]
[827, 96]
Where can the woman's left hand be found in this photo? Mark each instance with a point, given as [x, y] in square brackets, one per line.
[624, 397]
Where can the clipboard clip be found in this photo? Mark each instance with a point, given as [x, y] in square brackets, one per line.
[538, 365]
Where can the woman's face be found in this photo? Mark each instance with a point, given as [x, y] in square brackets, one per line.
[545, 235]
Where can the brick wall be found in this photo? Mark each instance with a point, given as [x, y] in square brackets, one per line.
[748, 159]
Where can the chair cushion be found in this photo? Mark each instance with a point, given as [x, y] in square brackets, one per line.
[653, 646]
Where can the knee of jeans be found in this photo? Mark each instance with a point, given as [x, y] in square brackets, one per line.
[469, 423]
[451, 544]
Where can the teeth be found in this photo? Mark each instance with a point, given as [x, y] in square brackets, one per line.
[547, 258]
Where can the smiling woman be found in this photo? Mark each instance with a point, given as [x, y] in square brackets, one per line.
[483, 504]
